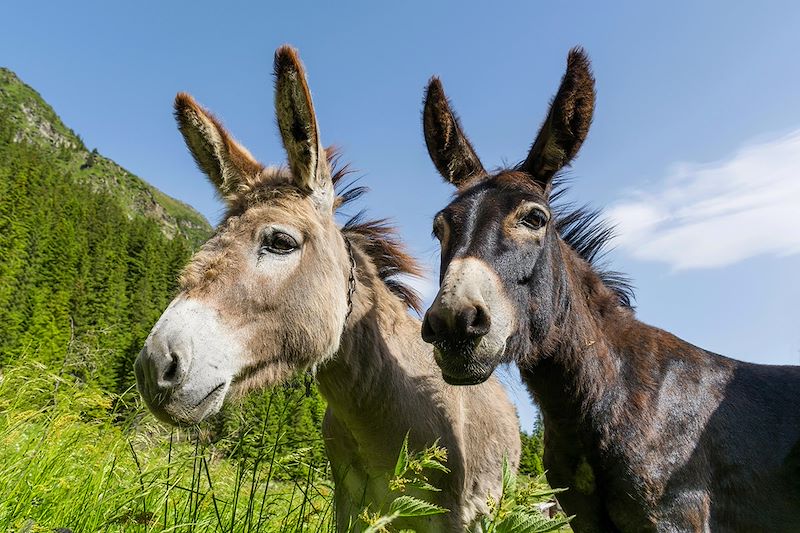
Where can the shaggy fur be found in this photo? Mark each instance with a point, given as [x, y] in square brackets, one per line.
[286, 302]
[377, 239]
[585, 231]
[649, 432]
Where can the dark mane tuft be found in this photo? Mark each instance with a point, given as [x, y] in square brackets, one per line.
[376, 238]
[586, 232]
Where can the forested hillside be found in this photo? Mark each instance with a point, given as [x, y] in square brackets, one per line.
[80, 266]
[89, 258]
[32, 121]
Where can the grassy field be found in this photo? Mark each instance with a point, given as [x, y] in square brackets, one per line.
[73, 458]
[65, 464]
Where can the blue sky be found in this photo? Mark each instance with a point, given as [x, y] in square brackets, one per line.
[694, 150]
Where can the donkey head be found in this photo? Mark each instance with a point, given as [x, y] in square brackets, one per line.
[267, 295]
[500, 273]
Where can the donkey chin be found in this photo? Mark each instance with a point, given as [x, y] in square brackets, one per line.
[182, 407]
[468, 362]
[188, 363]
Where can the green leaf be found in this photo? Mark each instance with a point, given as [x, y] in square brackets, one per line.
[487, 524]
[424, 485]
[509, 482]
[410, 506]
[522, 522]
[543, 493]
[433, 464]
[402, 459]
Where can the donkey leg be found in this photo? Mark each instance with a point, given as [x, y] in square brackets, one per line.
[348, 479]
[688, 510]
[580, 499]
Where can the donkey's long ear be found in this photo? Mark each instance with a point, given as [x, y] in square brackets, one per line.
[567, 122]
[227, 163]
[449, 148]
[298, 124]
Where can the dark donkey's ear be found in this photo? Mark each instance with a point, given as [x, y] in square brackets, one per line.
[449, 148]
[299, 131]
[567, 122]
[227, 163]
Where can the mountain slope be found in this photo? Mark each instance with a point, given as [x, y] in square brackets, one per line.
[90, 256]
[34, 122]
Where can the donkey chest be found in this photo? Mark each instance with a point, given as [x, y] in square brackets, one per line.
[367, 489]
[607, 489]
[363, 469]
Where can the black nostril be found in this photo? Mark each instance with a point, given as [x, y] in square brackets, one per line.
[172, 369]
[481, 323]
[474, 321]
[169, 370]
[432, 327]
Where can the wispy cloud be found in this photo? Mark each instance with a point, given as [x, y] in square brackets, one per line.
[713, 215]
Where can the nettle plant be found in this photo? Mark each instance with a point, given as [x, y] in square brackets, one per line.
[516, 511]
[409, 474]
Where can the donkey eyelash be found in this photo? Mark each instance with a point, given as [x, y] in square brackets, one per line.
[278, 243]
[535, 219]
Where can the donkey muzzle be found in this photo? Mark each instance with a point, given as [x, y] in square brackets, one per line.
[188, 363]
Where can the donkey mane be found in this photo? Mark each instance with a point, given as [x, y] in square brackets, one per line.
[377, 238]
[584, 229]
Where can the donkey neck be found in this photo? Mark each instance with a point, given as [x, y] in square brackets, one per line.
[380, 359]
[600, 364]
[575, 356]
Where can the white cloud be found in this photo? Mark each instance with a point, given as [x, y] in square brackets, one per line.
[713, 215]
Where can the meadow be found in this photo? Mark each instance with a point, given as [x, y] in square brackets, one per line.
[76, 458]
[67, 463]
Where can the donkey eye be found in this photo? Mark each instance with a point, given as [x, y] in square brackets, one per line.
[535, 220]
[278, 243]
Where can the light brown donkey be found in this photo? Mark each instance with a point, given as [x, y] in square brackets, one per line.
[281, 288]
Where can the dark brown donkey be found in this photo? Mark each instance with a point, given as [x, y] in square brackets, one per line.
[649, 432]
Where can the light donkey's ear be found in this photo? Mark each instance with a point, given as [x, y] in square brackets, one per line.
[567, 122]
[298, 125]
[449, 148]
[227, 163]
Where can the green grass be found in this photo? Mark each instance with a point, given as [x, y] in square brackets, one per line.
[64, 464]
[72, 456]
